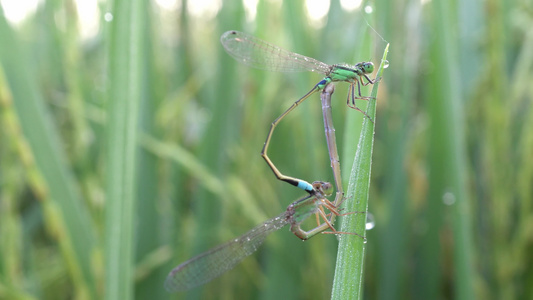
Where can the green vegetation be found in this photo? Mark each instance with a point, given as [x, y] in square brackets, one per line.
[130, 151]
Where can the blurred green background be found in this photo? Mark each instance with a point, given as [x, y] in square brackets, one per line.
[451, 181]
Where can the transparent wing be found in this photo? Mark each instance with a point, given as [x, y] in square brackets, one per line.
[215, 262]
[259, 54]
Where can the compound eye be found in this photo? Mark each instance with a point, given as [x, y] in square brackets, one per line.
[368, 67]
[324, 188]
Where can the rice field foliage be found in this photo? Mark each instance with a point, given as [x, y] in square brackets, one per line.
[132, 145]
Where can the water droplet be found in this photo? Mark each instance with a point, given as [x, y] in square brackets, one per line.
[370, 223]
[448, 198]
[369, 9]
[385, 64]
[108, 17]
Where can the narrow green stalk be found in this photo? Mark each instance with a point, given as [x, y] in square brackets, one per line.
[57, 189]
[125, 57]
[448, 145]
[348, 279]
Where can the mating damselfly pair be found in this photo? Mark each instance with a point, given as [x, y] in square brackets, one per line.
[257, 53]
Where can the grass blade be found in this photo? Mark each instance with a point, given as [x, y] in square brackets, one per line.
[125, 61]
[448, 146]
[62, 200]
[349, 269]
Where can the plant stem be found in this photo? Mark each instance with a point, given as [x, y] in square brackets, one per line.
[347, 283]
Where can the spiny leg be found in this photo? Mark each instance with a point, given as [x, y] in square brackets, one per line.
[369, 81]
[304, 185]
[351, 95]
[360, 82]
[325, 218]
[335, 211]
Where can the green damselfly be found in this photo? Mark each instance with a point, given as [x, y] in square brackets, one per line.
[259, 54]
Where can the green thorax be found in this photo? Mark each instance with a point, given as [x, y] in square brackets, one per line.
[347, 73]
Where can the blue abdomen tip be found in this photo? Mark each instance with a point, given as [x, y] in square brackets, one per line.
[305, 186]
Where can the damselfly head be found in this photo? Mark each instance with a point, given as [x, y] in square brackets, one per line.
[366, 67]
[323, 188]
